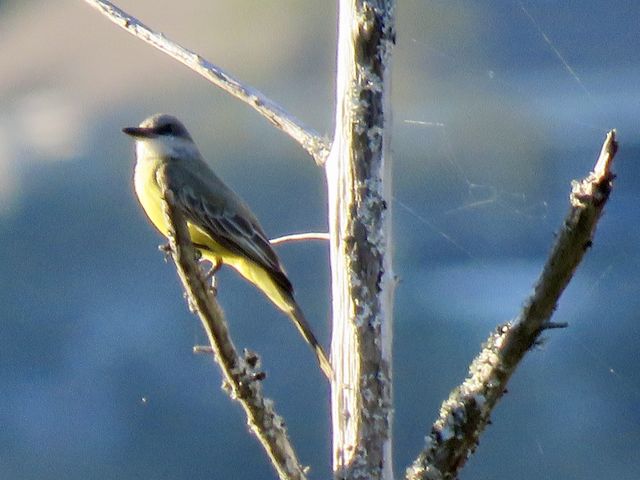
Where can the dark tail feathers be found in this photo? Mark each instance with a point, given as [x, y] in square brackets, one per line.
[301, 324]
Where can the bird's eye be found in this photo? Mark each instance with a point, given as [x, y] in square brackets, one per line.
[166, 129]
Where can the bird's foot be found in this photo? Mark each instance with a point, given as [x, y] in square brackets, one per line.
[166, 250]
[210, 277]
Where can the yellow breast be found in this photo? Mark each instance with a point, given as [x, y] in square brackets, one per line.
[150, 197]
[148, 191]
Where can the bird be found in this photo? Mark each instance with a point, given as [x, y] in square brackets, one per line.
[221, 225]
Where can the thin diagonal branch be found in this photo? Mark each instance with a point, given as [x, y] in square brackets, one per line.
[241, 375]
[299, 237]
[464, 415]
[317, 146]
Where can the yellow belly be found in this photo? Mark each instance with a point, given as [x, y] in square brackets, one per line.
[150, 198]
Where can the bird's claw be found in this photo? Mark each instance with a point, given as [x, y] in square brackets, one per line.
[166, 249]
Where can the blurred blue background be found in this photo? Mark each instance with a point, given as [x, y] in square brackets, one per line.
[498, 105]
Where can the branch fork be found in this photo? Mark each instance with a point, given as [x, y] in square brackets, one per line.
[465, 414]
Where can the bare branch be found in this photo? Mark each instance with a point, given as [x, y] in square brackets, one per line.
[362, 283]
[241, 375]
[464, 415]
[299, 237]
[317, 146]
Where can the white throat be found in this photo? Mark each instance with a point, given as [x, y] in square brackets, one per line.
[165, 147]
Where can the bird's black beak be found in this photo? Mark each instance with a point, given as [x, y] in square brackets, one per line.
[140, 132]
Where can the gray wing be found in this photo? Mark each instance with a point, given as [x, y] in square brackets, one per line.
[208, 203]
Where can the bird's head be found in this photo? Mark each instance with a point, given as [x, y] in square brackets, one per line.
[163, 135]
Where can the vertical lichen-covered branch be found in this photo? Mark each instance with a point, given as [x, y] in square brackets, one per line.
[359, 188]
[241, 374]
[464, 415]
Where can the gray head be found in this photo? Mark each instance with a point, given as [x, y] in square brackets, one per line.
[159, 125]
[162, 136]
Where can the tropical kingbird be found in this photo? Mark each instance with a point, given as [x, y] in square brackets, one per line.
[221, 225]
